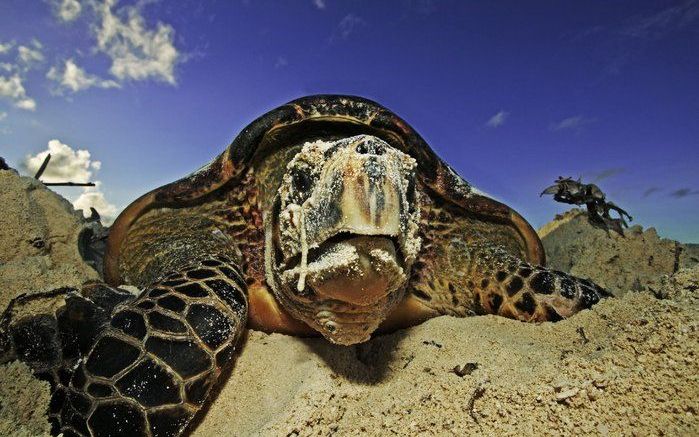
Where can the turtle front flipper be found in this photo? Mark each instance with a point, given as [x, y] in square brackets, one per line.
[466, 278]
[507, 286]
[151, 369]
[50, 342]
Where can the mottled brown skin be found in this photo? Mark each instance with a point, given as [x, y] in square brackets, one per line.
[251, 177]
[264, 147]
[197, 247]
[488, 272]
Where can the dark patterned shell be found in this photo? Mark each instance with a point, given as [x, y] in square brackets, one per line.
[314, 117]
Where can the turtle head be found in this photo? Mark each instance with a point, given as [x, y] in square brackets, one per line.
[343, 235]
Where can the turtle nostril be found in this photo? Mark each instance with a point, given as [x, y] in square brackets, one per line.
[368, 148]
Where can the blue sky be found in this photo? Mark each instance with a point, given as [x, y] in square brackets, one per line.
[511, 95]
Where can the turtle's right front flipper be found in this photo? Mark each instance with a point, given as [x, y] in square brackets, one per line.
[152, 368]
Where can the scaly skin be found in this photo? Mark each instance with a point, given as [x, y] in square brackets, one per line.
[144, 366]
[152, 368]
[509, 287]
[467, 268]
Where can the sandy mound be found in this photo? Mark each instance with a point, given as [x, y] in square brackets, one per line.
[628, 366]
[22, 402]
[632, 262]
[39, 239]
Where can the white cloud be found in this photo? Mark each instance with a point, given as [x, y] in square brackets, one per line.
[497, 119]
[320, 4]
[346, 27]
[6, 47]
[662, 22]
[12, 88]
[67, 10]
[28, 56]
[137, 50]
[27, 104]
[12, 84]
[137, 53]
[74, 78]
[3, 115]
[571, 123]
[607, 173]
[94, 197]
[69, 165]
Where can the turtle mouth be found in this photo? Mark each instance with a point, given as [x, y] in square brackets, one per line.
[345, 285]
[357, 269]
[317, 251]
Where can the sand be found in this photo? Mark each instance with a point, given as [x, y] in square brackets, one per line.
[39, 233]
[628, 366]
[629, 263]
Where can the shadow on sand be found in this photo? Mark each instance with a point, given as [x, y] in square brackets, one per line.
[365, 363]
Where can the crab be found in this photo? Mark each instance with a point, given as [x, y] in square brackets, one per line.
[567, 190]
[328, 216]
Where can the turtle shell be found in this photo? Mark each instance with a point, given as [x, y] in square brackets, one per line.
[307, 119]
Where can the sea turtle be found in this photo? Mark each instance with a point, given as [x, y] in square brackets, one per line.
[328, 215]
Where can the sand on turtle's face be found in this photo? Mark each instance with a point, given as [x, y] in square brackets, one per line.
[339, 250]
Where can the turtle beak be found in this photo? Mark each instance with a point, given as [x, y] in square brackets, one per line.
[553, 189]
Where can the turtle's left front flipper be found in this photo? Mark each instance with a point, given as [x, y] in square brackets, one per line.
[153, 366]
[507, 286]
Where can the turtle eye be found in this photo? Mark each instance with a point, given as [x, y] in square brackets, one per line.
[302, 181]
